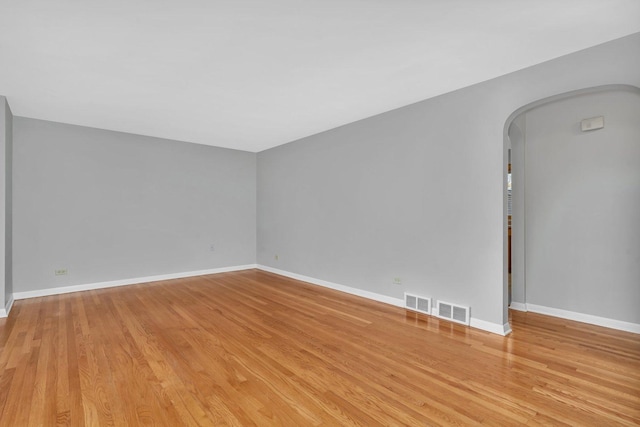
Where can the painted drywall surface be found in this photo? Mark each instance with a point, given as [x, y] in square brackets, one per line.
[582, 196]
[8, 219]
[416, 193]
[517, 132]
[6, 252]
[3, 198]
[106, 206]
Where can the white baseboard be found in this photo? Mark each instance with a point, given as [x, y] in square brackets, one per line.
[398, 302]
[495, 328]
[585, 318]
[519, 306]
[125, 282]
[4, 312]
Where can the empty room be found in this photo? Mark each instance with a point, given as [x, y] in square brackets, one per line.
[408, 213]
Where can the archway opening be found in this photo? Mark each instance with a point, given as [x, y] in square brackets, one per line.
[575, 187]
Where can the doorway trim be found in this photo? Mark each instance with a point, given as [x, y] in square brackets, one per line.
[520, 219]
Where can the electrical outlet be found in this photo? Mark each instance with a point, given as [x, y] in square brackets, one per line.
[397, 281]
[60, 272]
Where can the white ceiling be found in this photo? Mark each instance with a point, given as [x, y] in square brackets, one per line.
[253, 74]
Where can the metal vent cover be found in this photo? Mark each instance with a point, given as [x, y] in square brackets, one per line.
[417, 303]
[455, 313]
[410, 301]
[424, 305]
[459, 314]
[444, 310]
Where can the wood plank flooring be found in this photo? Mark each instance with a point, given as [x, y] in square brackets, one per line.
[254, 349]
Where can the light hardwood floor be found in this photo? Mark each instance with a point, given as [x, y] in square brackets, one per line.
[252, 348]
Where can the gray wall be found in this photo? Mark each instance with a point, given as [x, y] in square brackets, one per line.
[108, 206]
[8, 243]
[582, 206]
[6, 147]
[516, 135]
[419, 192]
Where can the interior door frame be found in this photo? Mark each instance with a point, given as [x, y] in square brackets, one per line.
[518, 241]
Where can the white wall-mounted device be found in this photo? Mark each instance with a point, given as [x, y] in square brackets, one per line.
[593, 123]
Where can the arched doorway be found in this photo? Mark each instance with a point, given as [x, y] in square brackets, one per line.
[576, 197]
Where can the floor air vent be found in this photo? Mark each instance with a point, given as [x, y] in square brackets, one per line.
[417, 303]
[453, 312]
